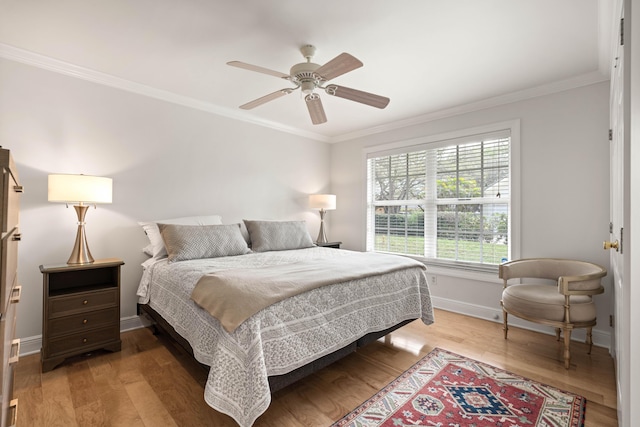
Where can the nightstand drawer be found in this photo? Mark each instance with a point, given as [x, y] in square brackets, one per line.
[82, 301]
[83, 322]
[83, 341]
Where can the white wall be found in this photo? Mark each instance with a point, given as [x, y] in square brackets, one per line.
[165, 160]
[564, 191]
[168, 160]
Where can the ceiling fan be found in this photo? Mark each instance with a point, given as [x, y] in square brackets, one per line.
[308, 77]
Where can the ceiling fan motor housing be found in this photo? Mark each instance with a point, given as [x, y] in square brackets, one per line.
[305, 75]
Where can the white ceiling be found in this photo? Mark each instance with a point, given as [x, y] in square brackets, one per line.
[430, 57]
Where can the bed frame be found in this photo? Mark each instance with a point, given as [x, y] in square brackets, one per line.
[276, 382]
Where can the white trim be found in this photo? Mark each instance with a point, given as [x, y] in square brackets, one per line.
[600, 338]
[429, 139]
[515, 214]
[133, 322]
[522, 95]
[426, 142]
[467, 274]
[41, 61]
[32, 345]
[55, 65]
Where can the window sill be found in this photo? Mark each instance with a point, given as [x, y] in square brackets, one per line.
[484, 273]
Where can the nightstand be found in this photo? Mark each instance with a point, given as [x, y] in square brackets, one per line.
[335, 245]
[81, 309]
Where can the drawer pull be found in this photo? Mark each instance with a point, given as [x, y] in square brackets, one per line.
[18, 188]
[85, 302]
[15, 294]
[17, 237]
[84, 340]
[84, 321]
[15, 351]
[13, 407]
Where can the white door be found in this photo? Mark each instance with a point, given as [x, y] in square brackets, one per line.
[616, 228]
[619, 210]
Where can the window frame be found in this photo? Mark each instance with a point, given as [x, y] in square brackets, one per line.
[444, 139]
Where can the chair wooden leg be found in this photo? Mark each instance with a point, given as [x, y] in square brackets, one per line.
[567, 342]
[505, 327]
[589, 340]
[557, 334]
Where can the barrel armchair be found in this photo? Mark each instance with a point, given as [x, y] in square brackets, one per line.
[554, 292]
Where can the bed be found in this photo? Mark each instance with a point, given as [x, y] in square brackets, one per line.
[276, 342]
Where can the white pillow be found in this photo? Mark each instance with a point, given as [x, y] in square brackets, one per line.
[148, 250]
[185, 242]
[156, 248]
[278, 235]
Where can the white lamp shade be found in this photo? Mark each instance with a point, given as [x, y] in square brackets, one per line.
[79, 188]
[322, 201]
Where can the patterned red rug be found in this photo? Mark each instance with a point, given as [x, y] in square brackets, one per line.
[445, 389]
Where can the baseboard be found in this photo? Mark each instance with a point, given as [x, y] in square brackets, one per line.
[600, 338]
[32, 345]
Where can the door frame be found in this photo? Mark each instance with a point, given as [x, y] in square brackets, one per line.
[627, 321]
[632, 270]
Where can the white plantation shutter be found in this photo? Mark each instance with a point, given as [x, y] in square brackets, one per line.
[445, 200]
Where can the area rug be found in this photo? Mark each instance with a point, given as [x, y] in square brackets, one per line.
[445, 389]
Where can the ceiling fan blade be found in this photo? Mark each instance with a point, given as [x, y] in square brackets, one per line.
[258, 69]
[316, 111]
[265, 99]
[339, 65]
[358, 96]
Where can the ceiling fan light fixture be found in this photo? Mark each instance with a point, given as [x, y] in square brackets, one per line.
[307, 87]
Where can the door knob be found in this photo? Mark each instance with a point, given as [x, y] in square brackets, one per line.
[611, 245]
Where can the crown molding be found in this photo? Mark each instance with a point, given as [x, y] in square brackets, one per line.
[548, 89]
[45, 62]
[41, 61]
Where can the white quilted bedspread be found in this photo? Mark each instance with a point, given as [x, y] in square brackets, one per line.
[285, 335]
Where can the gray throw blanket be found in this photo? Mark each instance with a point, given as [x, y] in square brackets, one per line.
[232, 296]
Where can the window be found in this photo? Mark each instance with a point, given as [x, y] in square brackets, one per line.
[448, 200]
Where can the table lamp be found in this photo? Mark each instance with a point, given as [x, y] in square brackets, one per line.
[84, 190]
[323, 202]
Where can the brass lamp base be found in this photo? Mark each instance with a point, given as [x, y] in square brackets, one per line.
[80, 253]
[322, 235]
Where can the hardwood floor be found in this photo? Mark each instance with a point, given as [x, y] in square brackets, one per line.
[153, 383]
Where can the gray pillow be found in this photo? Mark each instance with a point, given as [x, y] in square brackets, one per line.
[278, 235]
[156, 248]
[184, 242]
